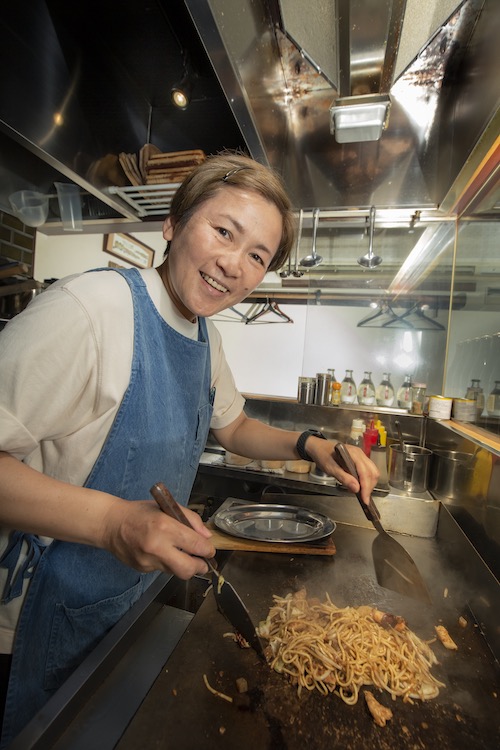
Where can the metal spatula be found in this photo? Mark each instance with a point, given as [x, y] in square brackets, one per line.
[394, 567]
[228, 601]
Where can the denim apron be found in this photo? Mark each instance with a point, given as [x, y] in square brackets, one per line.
[77, 593]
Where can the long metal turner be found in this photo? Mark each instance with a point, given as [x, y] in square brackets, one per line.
[394, 567]
[228, 601]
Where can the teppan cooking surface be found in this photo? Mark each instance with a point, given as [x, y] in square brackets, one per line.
[179, 711]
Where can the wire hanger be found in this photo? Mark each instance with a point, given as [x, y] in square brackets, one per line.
[232, 315]
[423, 323]
[270, 306]
[391, 318]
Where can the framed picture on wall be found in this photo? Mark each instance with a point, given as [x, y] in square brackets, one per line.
[127, 248]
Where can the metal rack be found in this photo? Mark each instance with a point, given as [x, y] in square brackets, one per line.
[147, 200]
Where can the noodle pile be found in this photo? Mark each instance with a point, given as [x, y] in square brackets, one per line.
[320, 646]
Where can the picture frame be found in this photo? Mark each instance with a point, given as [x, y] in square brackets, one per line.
[127, 248]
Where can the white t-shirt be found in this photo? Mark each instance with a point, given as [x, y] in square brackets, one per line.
[64, 368]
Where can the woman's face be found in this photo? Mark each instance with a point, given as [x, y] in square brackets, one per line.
[222, 252]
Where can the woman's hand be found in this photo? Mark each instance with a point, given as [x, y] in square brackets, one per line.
[322, 452]
[140, 535]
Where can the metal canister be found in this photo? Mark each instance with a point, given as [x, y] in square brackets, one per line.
[464, 409]
[440, 407]
[322, 397]
[306, 390]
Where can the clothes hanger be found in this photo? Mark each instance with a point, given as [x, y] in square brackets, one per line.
[384, 309]
[270, 306]
[424, 323]
[227, 316]
[279, 311]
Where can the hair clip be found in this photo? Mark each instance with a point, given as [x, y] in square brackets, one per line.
[231, 172]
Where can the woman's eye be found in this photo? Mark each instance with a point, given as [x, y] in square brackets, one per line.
[223, 232]
[257, 257]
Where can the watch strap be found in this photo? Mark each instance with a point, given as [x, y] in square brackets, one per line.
[301, 443]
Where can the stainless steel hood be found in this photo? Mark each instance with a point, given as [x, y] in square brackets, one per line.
[83, 82]
[283, 64]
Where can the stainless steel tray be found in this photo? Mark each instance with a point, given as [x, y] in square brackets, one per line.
[274, 523]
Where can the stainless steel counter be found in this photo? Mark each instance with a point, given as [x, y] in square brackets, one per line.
[408, 514]
[180, 712]
[143, 687]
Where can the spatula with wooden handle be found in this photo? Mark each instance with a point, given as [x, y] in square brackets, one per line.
[394, 567]
[228, 601]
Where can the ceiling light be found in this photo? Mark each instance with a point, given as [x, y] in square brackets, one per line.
[359, 118]
[180, 93]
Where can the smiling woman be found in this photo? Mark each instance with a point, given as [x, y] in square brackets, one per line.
[134, 407]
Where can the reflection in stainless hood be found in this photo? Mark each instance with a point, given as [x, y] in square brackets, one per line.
[283, 64]
[88, 81]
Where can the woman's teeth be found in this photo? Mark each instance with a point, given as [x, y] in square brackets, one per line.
[213, 283]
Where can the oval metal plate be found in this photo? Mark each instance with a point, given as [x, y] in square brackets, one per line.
[274, 523]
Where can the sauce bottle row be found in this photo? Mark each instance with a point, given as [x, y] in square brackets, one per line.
[326, 390]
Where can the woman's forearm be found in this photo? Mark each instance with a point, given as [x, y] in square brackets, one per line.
[33, 502]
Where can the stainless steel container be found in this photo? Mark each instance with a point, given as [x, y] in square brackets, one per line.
[409, 468]
[451, 474]
[306, 390]
[322, 397]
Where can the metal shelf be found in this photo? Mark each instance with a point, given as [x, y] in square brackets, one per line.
[147, 200]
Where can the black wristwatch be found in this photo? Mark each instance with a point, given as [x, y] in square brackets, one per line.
[301, 443]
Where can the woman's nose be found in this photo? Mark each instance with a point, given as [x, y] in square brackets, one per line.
[230, 262]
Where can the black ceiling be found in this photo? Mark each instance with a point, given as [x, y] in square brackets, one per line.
[111, 65]
[129, 54]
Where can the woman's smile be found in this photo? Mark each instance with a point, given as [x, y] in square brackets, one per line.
[213, 283]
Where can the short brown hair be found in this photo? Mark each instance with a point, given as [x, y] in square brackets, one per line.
[237, 170]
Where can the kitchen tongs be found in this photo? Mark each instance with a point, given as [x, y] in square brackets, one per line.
[228, 601]
[394, 567]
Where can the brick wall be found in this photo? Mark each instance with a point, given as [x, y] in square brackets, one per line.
[17, 241]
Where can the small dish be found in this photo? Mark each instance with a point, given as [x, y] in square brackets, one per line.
[274, 523]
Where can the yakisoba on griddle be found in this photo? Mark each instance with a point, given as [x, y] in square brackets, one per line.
[340, 650]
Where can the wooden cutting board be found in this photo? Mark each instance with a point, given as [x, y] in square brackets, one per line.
[220, 540]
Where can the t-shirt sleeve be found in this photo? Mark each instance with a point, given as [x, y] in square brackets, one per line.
[48, 373]
[229, 402]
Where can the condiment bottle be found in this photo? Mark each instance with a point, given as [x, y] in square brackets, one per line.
[405, 394]
[335, 386]
[335, 393]
[370, 438]
[385, 391]
[418, 397]
[357, 429]
[493, 402]
[366, 390]
[348, 389]
[475, 392]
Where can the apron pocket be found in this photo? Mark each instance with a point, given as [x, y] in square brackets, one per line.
[77, 631]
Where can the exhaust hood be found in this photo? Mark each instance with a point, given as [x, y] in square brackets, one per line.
[88, 81]
[284, 66]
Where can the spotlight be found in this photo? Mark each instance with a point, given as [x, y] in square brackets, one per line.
[181, 93]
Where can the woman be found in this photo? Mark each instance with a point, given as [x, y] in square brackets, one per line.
[110, 381]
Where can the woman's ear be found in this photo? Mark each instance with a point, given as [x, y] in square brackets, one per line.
[168, 228]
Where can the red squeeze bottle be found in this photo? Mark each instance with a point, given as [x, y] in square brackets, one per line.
[370, 437]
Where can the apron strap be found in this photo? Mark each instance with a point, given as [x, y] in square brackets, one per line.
[10, 558]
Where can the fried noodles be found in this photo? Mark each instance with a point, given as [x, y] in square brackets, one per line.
[322, 647]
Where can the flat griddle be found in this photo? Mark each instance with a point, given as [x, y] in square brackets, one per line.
[179, 712]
